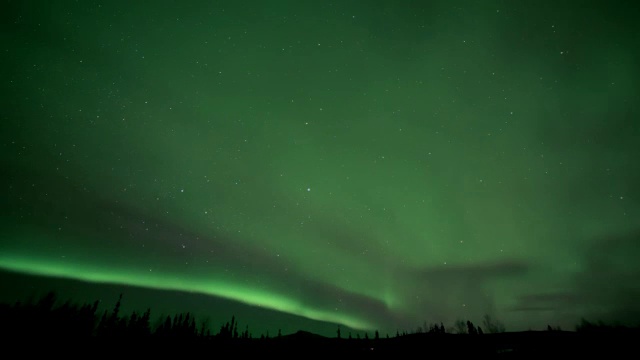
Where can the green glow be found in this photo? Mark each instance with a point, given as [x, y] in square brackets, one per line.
[170, 281]
[373, 166]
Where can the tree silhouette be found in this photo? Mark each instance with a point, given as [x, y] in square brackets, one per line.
[111, 324]
[471, 330]
[229, 330]
[116, 308]
[460, 327]
[492, 325]
[49, 318]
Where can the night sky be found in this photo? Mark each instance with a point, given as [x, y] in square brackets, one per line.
[368, 164]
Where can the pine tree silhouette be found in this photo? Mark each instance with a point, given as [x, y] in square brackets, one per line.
[471, 330]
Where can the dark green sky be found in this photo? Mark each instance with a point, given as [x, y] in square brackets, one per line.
[373, 164]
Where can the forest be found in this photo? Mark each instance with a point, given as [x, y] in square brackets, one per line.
[71, 326]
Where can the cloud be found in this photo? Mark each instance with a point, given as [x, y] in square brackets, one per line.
[605, 288]
[609, 284]
[445, 293]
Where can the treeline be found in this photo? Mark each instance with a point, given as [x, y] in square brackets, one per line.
[47, 317]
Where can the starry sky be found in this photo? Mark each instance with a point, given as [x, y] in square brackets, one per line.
[367, 164]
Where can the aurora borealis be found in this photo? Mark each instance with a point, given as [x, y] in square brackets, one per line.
[373, 164]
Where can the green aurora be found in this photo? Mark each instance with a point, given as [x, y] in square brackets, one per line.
[365, 163]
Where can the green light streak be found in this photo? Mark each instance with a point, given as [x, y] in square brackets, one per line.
[168, 281]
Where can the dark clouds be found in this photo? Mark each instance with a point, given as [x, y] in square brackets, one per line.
[604, 287]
